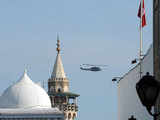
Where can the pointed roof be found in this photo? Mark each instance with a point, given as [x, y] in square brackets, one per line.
[58, 70]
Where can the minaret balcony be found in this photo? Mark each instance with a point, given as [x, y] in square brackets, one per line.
[69, 107]
[57, 79]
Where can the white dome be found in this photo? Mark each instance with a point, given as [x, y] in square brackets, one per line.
[25, 94]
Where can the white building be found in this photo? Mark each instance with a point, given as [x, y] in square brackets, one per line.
[128, 101]
[27, 100]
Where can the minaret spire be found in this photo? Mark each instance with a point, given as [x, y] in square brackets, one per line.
[58, 70]
[58, 89]
[58, 44]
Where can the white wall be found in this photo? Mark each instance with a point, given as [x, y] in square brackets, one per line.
[128, 101]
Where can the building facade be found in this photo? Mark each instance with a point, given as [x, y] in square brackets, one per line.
[128, 100]
[58, 89]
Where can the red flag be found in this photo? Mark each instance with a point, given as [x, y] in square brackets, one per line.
[143, 14]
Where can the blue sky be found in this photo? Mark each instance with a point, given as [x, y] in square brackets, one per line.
[91, 31]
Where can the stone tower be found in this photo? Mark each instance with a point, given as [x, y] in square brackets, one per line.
[58, 89]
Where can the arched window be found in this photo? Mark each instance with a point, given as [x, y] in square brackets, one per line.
[59, 89]
[69, 115]
[52, 89]
[74, 115]
[65, 115]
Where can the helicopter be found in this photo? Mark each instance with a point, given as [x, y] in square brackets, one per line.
[90, 67]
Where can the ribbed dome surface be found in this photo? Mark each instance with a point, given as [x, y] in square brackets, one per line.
[24, 94]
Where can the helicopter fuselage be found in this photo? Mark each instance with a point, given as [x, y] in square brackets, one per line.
[95, 69]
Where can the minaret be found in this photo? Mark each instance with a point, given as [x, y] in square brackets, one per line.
[58, 89]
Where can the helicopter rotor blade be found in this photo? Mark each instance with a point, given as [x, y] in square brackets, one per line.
[103, 65]
[95, 65]
[88, 64]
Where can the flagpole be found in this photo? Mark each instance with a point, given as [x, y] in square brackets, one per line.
[141, 40]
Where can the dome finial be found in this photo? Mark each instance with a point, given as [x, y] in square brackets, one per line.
[58, 44]
[25, 70]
